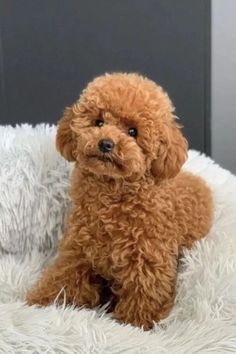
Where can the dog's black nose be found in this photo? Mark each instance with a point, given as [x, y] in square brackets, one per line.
[106, 145]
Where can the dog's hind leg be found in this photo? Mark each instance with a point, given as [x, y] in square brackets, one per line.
[70, 280]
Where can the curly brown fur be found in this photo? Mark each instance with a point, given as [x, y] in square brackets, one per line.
[133, 210]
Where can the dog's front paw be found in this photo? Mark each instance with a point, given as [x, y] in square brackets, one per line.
[128, 313]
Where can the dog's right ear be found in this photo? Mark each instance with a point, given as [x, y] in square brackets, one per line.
[65, 142]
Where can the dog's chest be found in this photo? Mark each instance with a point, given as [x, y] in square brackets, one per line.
[117, 223]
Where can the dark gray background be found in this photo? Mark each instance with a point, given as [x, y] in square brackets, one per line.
[49, 49]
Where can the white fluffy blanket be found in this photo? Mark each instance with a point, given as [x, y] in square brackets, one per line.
[33, 202]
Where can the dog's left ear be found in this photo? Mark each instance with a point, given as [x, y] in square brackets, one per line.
[172, 152]
[65, 141]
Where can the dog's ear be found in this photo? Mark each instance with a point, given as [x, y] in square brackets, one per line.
[65, 141]
[172, 152]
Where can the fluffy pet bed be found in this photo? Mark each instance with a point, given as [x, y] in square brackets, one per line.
[33, 203]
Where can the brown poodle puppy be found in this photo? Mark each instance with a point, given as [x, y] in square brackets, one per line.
[133, 210]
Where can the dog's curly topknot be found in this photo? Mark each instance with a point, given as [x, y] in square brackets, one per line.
[133, 210]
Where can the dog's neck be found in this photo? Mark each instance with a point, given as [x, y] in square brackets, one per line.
[87, 180]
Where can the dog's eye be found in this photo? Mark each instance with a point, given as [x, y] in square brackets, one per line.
[99, 123]
[133, 132]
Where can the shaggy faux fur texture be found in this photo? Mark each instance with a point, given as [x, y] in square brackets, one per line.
[133, 211]
[33, 189]
[203, 319]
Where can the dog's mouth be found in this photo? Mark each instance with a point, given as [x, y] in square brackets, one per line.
[107, 160]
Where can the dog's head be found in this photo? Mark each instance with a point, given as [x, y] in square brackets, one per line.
[122, 126]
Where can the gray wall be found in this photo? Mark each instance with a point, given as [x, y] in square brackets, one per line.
[224, 83]
[50, 49]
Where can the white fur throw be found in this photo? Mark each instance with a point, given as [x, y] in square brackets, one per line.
[33, 201]
[34, 183]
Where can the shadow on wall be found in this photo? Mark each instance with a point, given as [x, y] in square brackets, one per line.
[224, 83]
